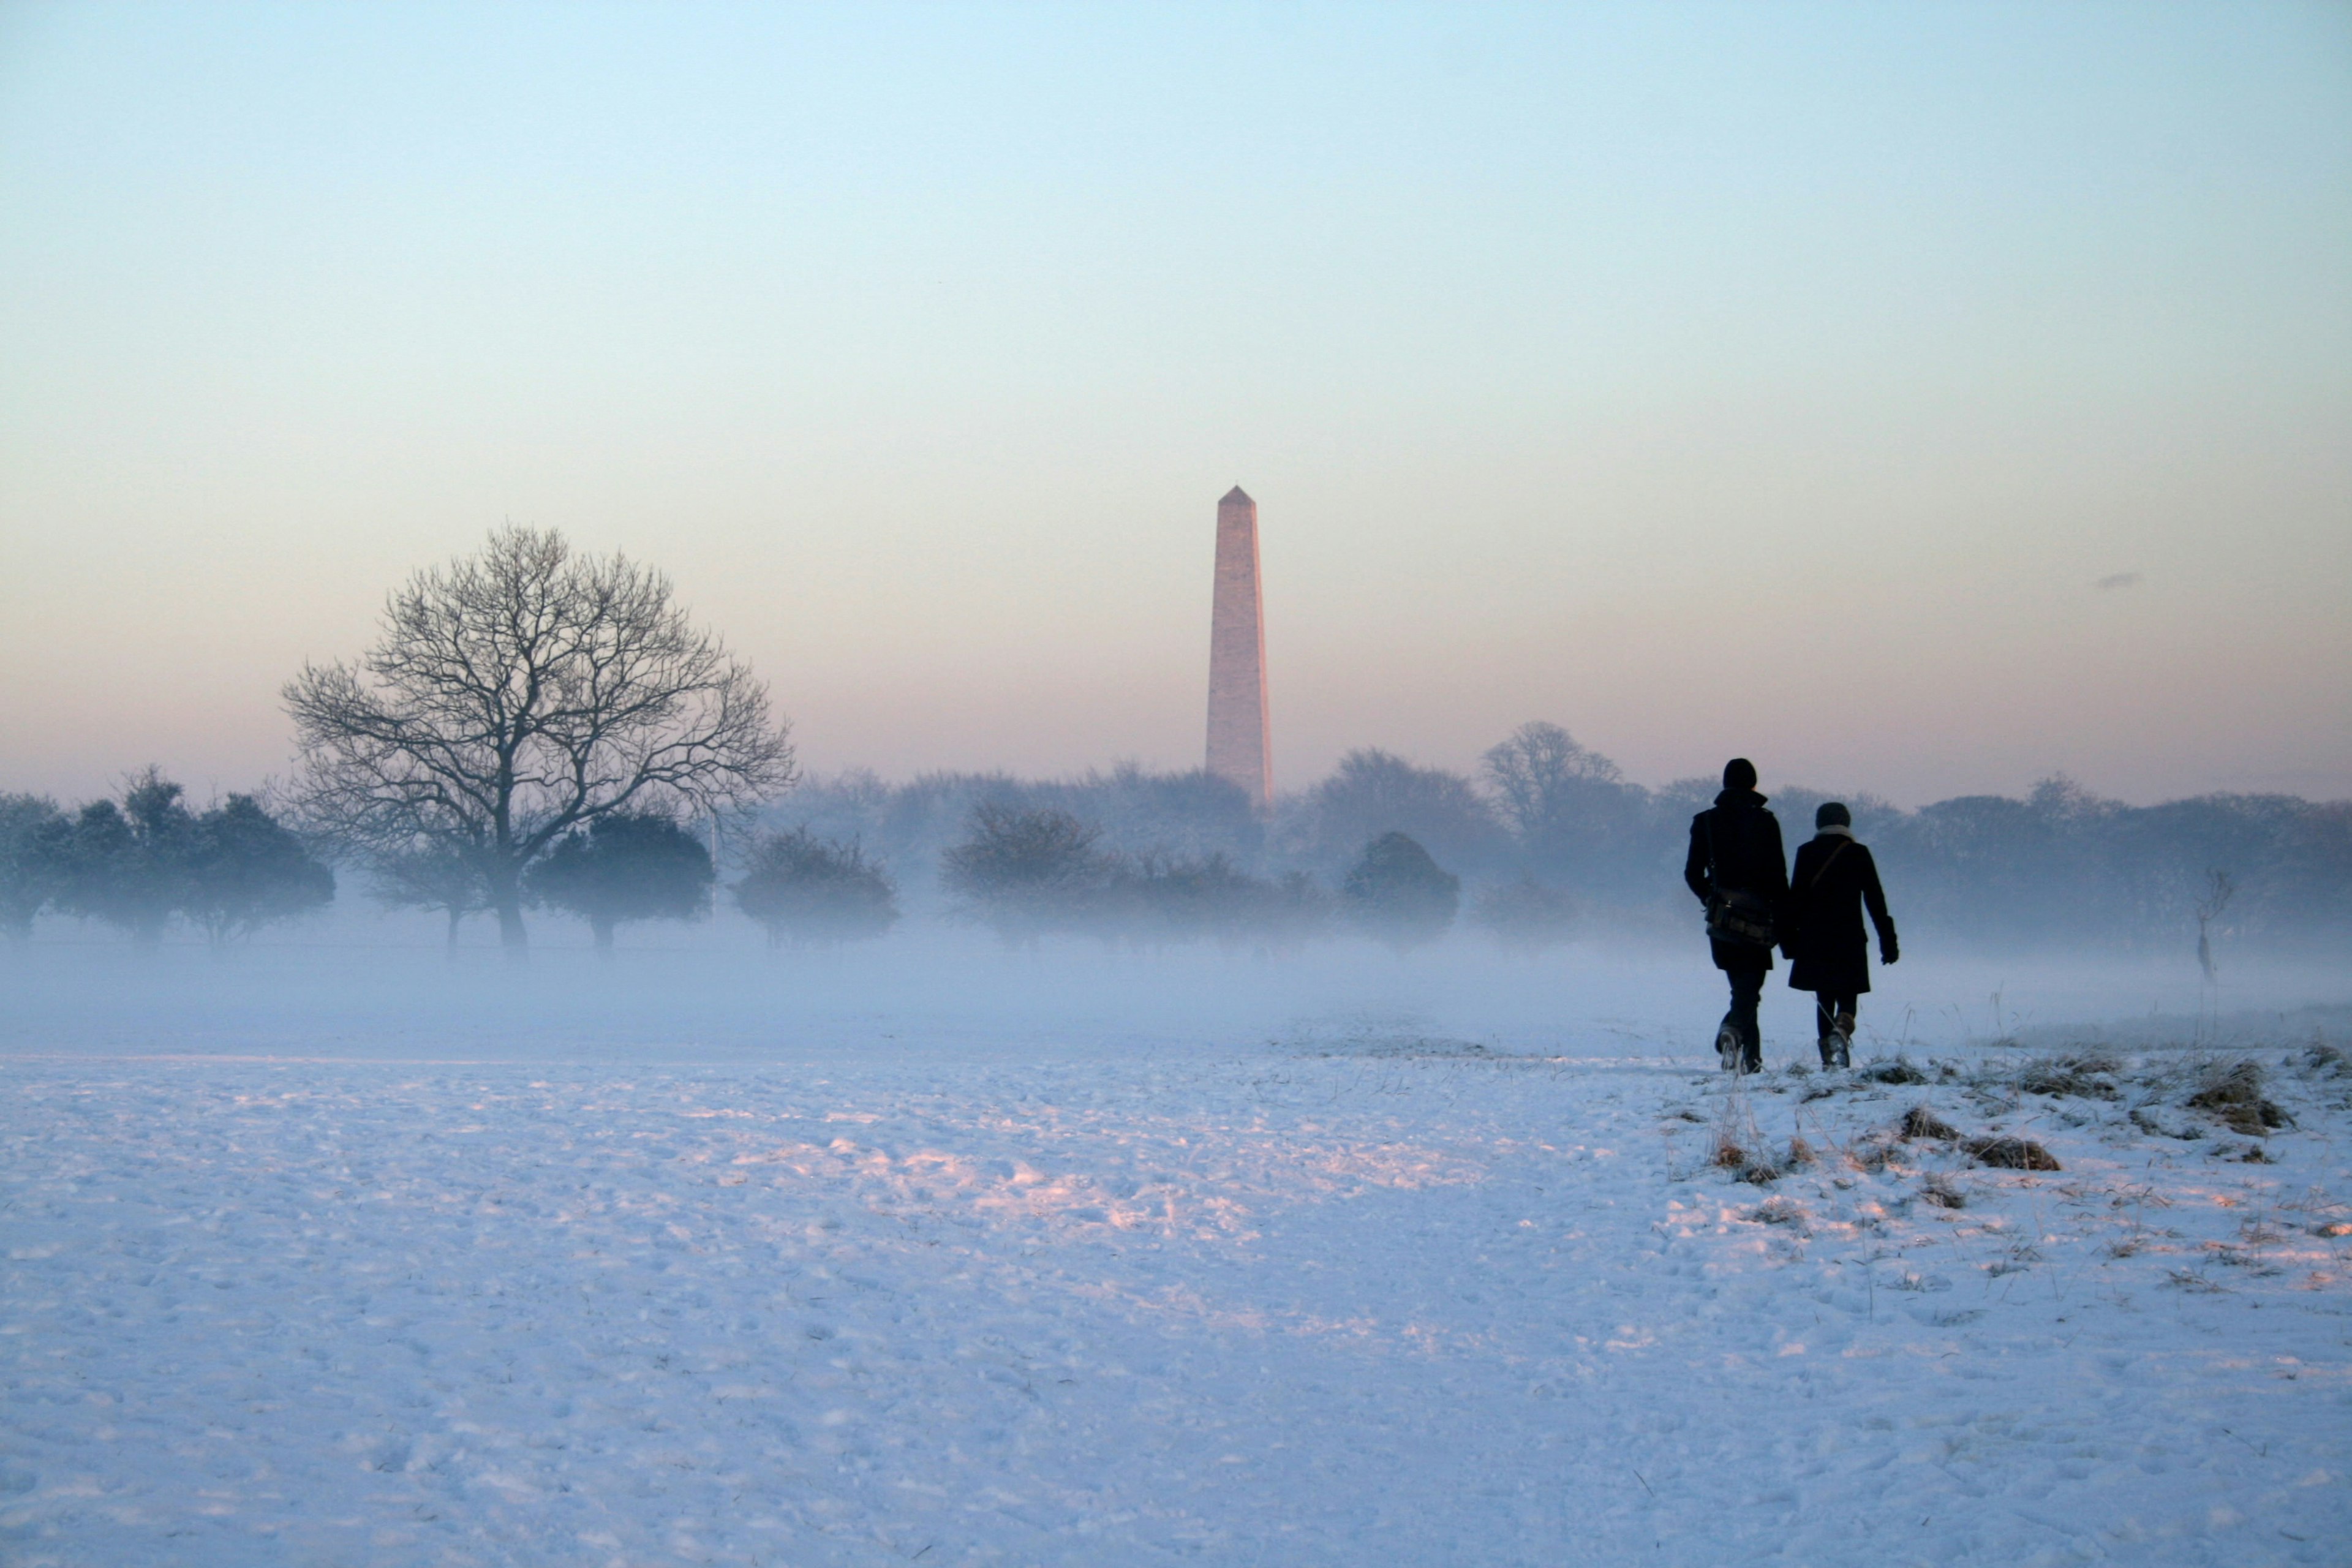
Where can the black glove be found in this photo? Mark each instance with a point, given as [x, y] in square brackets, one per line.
[1888, 953]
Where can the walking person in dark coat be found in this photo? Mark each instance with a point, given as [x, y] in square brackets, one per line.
[1834, 881]
[1739, 871]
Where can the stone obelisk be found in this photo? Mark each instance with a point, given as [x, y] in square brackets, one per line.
[1238, 748]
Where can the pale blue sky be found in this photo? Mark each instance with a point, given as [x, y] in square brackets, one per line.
[1770, 379]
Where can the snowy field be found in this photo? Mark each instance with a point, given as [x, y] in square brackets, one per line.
[948, 1254]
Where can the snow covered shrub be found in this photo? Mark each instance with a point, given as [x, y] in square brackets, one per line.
[806, 889]
[1396, 892]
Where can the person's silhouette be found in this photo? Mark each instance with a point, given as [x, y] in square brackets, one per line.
[1834, 881]
[1738, 869]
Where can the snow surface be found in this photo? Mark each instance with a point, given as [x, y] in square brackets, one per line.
[1171, 1261]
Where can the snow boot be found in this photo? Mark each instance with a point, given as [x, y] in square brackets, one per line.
[1728, 1046]
[1841, 1037]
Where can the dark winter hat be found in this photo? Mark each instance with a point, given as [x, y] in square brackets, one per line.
[1832, 814]
[1739, 773]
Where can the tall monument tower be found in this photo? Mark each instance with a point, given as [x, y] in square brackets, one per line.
[1238, 729]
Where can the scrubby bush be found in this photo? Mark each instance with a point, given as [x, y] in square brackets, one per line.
[1395, 891]
[1026, 870]
[127, 864]
[802, 888]
[1135, 814]
[247, 870]
[137, 863]
[634, 866]
[1164, 898]
[29, 874]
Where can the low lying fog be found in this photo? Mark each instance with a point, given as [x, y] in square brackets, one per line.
[361, 984]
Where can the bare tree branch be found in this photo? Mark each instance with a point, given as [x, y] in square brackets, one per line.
[516, 695]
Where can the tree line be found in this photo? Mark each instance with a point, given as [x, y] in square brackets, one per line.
[143, 861]
[1549, 839]
[536, 728]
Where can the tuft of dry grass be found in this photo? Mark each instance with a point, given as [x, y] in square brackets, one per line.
[2087, 1075]
[2232, 1093]
[2012, 1154]
[1871, 1153]
[1939, 1191]
[1921, 1123]
[1739, 1142]
[1897, 1069]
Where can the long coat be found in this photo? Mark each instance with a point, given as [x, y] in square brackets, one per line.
[1834, 881]
[1736, 847]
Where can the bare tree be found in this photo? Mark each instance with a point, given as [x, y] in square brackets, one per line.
[1540, 775]
[520, 693]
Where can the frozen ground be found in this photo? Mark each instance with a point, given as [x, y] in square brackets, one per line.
[335, 1258]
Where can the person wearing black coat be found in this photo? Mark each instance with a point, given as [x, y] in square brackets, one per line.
[1739, 872]
[1834, 881]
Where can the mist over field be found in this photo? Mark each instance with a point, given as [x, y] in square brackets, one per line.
[622, 941]
[2054, 920]
[1559, 877]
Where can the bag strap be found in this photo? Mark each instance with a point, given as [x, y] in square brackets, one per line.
[1823, 868]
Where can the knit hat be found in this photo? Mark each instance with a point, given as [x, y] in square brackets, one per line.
[1832, 814]
[1739, 773]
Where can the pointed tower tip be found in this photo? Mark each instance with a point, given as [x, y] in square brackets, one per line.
[1235, 494]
